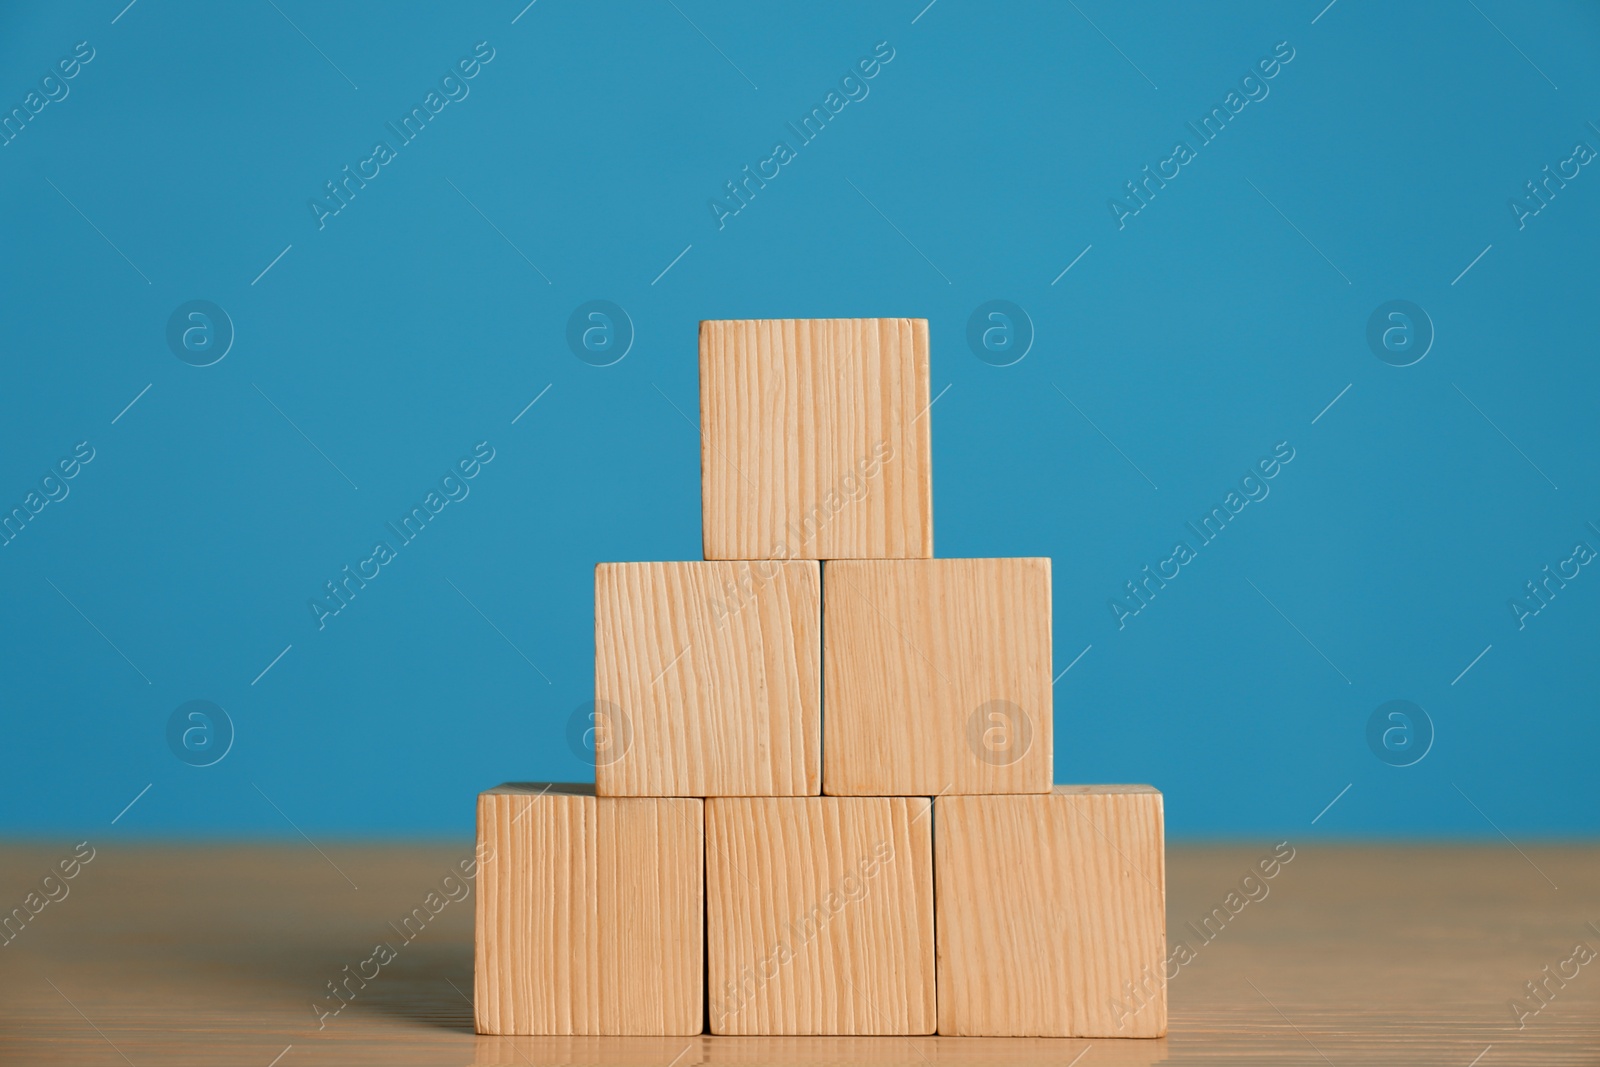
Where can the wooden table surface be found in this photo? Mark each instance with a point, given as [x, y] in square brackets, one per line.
[218, 955]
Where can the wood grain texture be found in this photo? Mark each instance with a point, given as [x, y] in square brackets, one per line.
[819, 915]
[652, 916]
[713, 672]
[1052, 914]
[534, 969]
[713, 1051]
[937, 675]
[815, 439]
[590, 913]
[215, 954]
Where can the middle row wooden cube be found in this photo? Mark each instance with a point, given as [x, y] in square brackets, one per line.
[937, 675]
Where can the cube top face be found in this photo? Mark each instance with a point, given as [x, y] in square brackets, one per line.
[937, 675]
[1052, 913]
[1104, 790]
[815, 439]
[711, 676]
[540, 789]
[819, 915]
[590, 913]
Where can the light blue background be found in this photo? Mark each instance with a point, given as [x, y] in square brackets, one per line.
[408, 329]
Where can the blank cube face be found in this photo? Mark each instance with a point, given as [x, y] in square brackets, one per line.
[712, 672]
[533, 966]
[815, 439]
[1052, 914]
[819, 915]
[652, 918]
[590, 913]
[938, 678]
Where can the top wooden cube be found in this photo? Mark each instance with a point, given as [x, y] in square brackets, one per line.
[814, 439]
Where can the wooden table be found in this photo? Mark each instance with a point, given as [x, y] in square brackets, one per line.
[217, 955]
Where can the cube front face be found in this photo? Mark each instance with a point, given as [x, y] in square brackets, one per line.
[533, 968]
[652, 920]
[590, 913]
[815, 441]
[712, 672]
[937, 674]
[1052, 914]
[819, 915]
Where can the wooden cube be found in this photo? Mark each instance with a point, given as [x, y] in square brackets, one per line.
[1052, 913]
[590, 913]
[814, 439]
[712, 672]
[819, 915]
[938, 677]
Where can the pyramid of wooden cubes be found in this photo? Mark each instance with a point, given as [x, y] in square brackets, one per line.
[823, 798]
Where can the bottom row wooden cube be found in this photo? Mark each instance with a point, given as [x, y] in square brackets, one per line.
[590, 914]
[1040, 915]
[819, 915]
[1052, 913]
